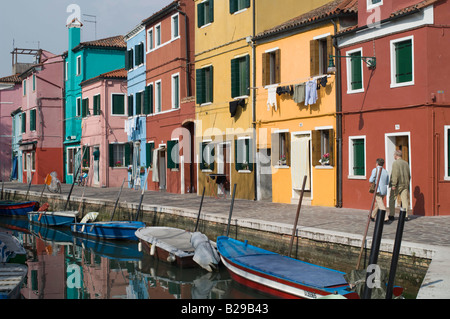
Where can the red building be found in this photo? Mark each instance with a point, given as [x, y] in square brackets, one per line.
[170, 88]
[398, 101]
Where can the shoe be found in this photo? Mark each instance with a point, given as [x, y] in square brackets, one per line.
[392, 218]
[388, 221]
[407, 219]
[372, 219]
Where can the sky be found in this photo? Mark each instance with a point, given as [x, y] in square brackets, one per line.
[41, 24]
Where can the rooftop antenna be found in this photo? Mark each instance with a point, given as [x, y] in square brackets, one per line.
[94, 21]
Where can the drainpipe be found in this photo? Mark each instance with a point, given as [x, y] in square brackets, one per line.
[188, 62]
[338, 121]
[255, 148]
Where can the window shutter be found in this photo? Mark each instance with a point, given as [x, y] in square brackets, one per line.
[238, 149]
[247, 76]
[287, 148]
[172, 154]
[314, 56]
[277, 66]
[24, 122]
[211, 11]
[275, 148]
[316, 149]
[331, 145]
[149, 153]
[33, 120]
[211, 84]
[85, 108]
[233, 6]
[234, 78]
[358, 157]
[97, 105]
[111, 155]
[266, 69]
[128, 158]
[212, 151]
[147, 100]
[356, 74]
[200, 86]
[200, 14]
[137, 55]
[138, 103]
[86, 156]
[246, 3]
[130, 105]
[404, 61]
[249, 155]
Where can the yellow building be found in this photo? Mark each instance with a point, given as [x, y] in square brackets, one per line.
[225, 104]
[296, 106]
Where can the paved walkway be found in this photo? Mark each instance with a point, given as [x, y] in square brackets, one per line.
[426, 237]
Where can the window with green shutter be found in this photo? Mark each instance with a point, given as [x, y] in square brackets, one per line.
[237, 5]
[33, 120]
[205, 13]
[173, 154]
[355, 71]
[207, 156]
[130, 105]
[129, 59]
[120, 155]
[139, 101]
[243, 154]
[24, 122]
[359, 158]
[85, 108]
[204, 85]
[403, 61]
[240, 76]
[118, 104]
[78, 107]
[97, 105]
[149, 147]
[148, 99]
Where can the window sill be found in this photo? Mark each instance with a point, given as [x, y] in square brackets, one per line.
[281, 166]
[355, 91]
[245, 171]
[324, 167]
[357, 177]
[398, 85]
[206, 171]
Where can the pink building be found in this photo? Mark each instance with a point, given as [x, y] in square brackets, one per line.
[42, 125]
[10, 100]
[104, 140]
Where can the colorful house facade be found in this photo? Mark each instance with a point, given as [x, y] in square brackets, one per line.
[83, 61]
[107, 152]
[42, 125]
[169, 55]
[296, 106]
[395, 99]
[136, 128]
[10, 100]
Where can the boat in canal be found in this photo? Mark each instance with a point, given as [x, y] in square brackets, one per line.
[55, 219]
[12, 276]
[17, 209]
[280, 275]
[176, 246]
[11, 250]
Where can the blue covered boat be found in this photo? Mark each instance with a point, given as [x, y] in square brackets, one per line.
[279, 275]
[17, 209]
[115, 230]
[58, 219]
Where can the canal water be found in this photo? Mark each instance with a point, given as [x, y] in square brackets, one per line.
[64, 266]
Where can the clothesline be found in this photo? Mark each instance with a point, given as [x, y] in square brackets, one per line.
[292, 82]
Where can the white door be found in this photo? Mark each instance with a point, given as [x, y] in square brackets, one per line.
[28, 159]
[300, 162]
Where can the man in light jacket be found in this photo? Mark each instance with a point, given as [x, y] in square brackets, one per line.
[381, 189]
[400, 177]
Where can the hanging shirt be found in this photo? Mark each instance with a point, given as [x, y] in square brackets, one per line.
[272, 98]
[299, 93]
[311, 93]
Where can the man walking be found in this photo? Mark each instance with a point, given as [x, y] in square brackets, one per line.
[399, 183]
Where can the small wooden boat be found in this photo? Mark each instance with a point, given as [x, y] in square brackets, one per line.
[17, 209]
[112, 230]
[56, 219]
[11, 250]
[174, 246]
[12, 276]
[279, 275]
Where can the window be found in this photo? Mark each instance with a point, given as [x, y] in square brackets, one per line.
[373, 3]
[33, 120]
[237, 5]
[85, 108]
[130, 105]
[149, 147]
[354, 72]
[158, 97]
[173, 154]
[447, 151]
[139, 54]
[357, 156]
[78, 107]
[271, 67]
[175, 26]
[24, 122]
[129, 59]
[79, 65]
[67, 71]
[321, 48]
[148, 99]
[204, 85]
[139, 103]
[97, 105]
[243, 158]
[322, 144]
[402, 62]
[158, 35]
[71, 160]
[281, 142]
[240, 76]
[119, 155]
[150, 40]
[176, 91]
[34, 82]
[207, 155]
[24, 84]
[33, 161]
[205, 13]
[118, 104]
